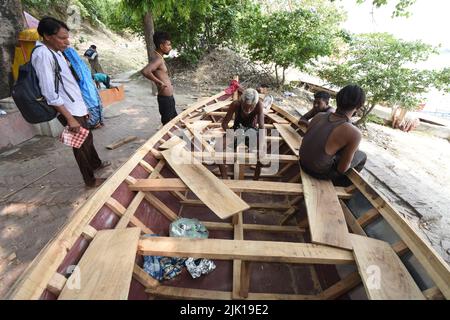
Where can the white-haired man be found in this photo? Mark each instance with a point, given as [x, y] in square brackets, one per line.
[248, 118]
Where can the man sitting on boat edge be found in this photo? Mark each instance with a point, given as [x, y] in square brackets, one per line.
[330, 145]
[320, 104]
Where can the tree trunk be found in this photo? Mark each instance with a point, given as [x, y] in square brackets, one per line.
[149, 30]
[276, 75]
[11, 23]
[284, 76]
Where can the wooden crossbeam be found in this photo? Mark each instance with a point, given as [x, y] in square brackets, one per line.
[367, 218]
[252, 227]
[130, 211]
[155, 173]
[253, 205]
[206, 186]
[400, 247]
[290, 136]
[200, 294]
[276, 118]
[268, 251]
[263, 187]
[341, 287]
[216, 106]
[325, 216]
[249, 158]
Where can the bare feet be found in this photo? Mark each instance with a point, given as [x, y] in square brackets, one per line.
[104, 165]
[98, 182]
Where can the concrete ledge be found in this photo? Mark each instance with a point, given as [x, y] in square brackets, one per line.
[14, 130]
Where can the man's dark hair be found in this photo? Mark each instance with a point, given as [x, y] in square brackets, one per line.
[50, 26]
[322, 95]
[93, 46]
[350, 97]
[160, 37]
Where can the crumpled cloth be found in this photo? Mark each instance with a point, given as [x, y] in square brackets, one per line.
[197, 267]
[234, 85]
[163, 268]
[188, 228]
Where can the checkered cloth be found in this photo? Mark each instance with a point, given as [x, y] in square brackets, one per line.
[73, 139]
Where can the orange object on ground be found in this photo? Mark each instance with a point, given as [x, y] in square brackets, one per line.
[110, 96]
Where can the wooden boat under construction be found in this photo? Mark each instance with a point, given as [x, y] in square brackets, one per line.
[284, 236]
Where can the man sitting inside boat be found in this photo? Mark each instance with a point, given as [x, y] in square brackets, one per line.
[248, 114]
[330, 146]
[320, 104]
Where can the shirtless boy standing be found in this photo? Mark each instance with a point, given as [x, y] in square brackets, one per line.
[157, 72]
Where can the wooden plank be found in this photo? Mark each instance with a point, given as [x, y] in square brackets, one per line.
[200, 294]
[237, 264]
[56, 283]
[245, 279]
[146, 166]
[106, 267]
[437, 268]
[155, 173]
[144, 278]
[268, 251]
[254, 205]
[290, 136]
[341, 287]
[223, 226]
[131, 210]
[351, 220]
[383, 273]
[161, 207]
[34, 279]
[262, 187]
[206, 186]
[120, 142]
[367, 218]
[172, 142]
[293, 119]
[433, 294]
[216, 106]
[276, 118]
[325, 216]
[89, 232]
[400, 248]
[250, 158]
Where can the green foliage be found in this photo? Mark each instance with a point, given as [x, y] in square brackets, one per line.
[401, 6]
[95, 11]
[375, 119]
[442, 80]
[205, 30]
[292, 38]
[382, 65]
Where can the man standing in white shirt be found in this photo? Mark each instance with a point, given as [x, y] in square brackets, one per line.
[68, 101]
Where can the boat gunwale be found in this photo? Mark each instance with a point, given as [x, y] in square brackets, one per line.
[34, 280]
